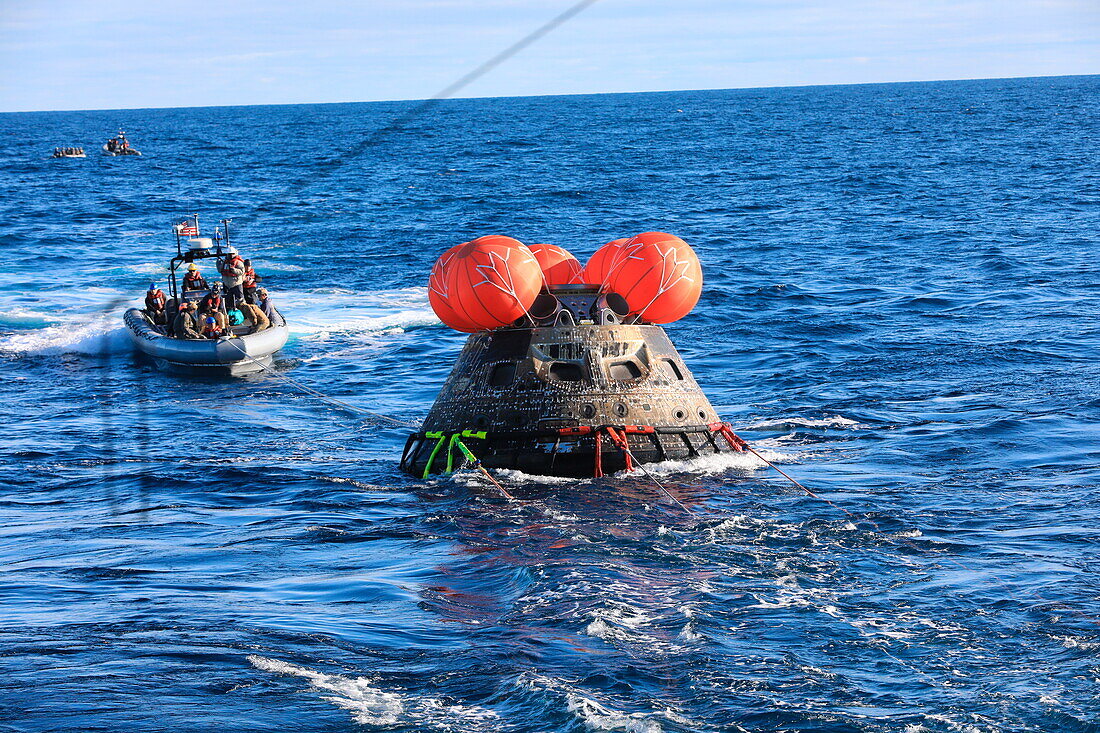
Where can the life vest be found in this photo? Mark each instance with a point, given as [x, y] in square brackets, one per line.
[190, 280]
[249, 278]
[212, 302]
[155, 300]
[211, 329]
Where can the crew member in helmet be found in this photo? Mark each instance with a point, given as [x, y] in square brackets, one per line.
[213, 306]
[194, 280]
[233, 278]
[211, 329]
[155, 301]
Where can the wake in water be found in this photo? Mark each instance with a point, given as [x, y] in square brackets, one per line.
[89, 321]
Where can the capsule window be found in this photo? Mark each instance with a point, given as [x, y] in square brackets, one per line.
[623, 370]
[503, 375]
[671, 370]
[565, 371]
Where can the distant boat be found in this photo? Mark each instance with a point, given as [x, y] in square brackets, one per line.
[119, 145]
[69, 152]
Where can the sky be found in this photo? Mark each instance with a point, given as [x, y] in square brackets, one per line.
[107, 54]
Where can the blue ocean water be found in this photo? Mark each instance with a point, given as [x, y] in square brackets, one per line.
[900, 309]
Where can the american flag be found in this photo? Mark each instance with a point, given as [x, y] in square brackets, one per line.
[188, 229]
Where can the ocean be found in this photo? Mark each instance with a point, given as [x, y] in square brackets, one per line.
[899, 309]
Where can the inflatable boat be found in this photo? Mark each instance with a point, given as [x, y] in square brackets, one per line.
[217, 348]
[119, 145]
[241, 353]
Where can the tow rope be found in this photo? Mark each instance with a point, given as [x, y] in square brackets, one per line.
[324, 398]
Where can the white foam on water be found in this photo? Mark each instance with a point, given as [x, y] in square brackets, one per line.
[102, 335]
[708, 465]
[786, 423]
[20, 314]
[518, 478]
[598, 715]
[372, 706]
[368, 705]
[318, 316]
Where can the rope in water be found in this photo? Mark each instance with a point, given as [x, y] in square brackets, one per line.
[324, 398]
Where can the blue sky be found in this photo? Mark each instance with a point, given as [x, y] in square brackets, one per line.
[68, 54]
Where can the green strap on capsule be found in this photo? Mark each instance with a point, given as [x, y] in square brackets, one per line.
[431, 458]
[455, 441]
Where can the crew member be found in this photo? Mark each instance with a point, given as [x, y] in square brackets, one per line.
[211, 306]
[266, 305]
[254, 314]
[194, 280]
[249, 282]
[233, 278]
[154, 305]
[211, 329]
[187, 326]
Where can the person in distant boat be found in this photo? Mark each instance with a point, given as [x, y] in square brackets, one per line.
[253, 313]
[266, 305]
[249, 282]
[194, 280]
[155, 301]
[186, 325]
[211, 329]
[233, 278]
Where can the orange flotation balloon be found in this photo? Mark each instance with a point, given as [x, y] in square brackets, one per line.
[484, 284]
[438, 291]
[599, 264]
[658, 274]
[558, 266]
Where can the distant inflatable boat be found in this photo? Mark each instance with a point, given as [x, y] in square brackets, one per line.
[240, 353]
[119, 146]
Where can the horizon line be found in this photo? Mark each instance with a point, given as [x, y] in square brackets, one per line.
[558, 94]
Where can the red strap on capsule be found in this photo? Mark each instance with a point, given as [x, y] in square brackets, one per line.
[597, 468]
[620, 441]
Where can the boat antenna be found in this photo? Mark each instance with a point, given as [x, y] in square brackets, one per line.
[225, 228]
